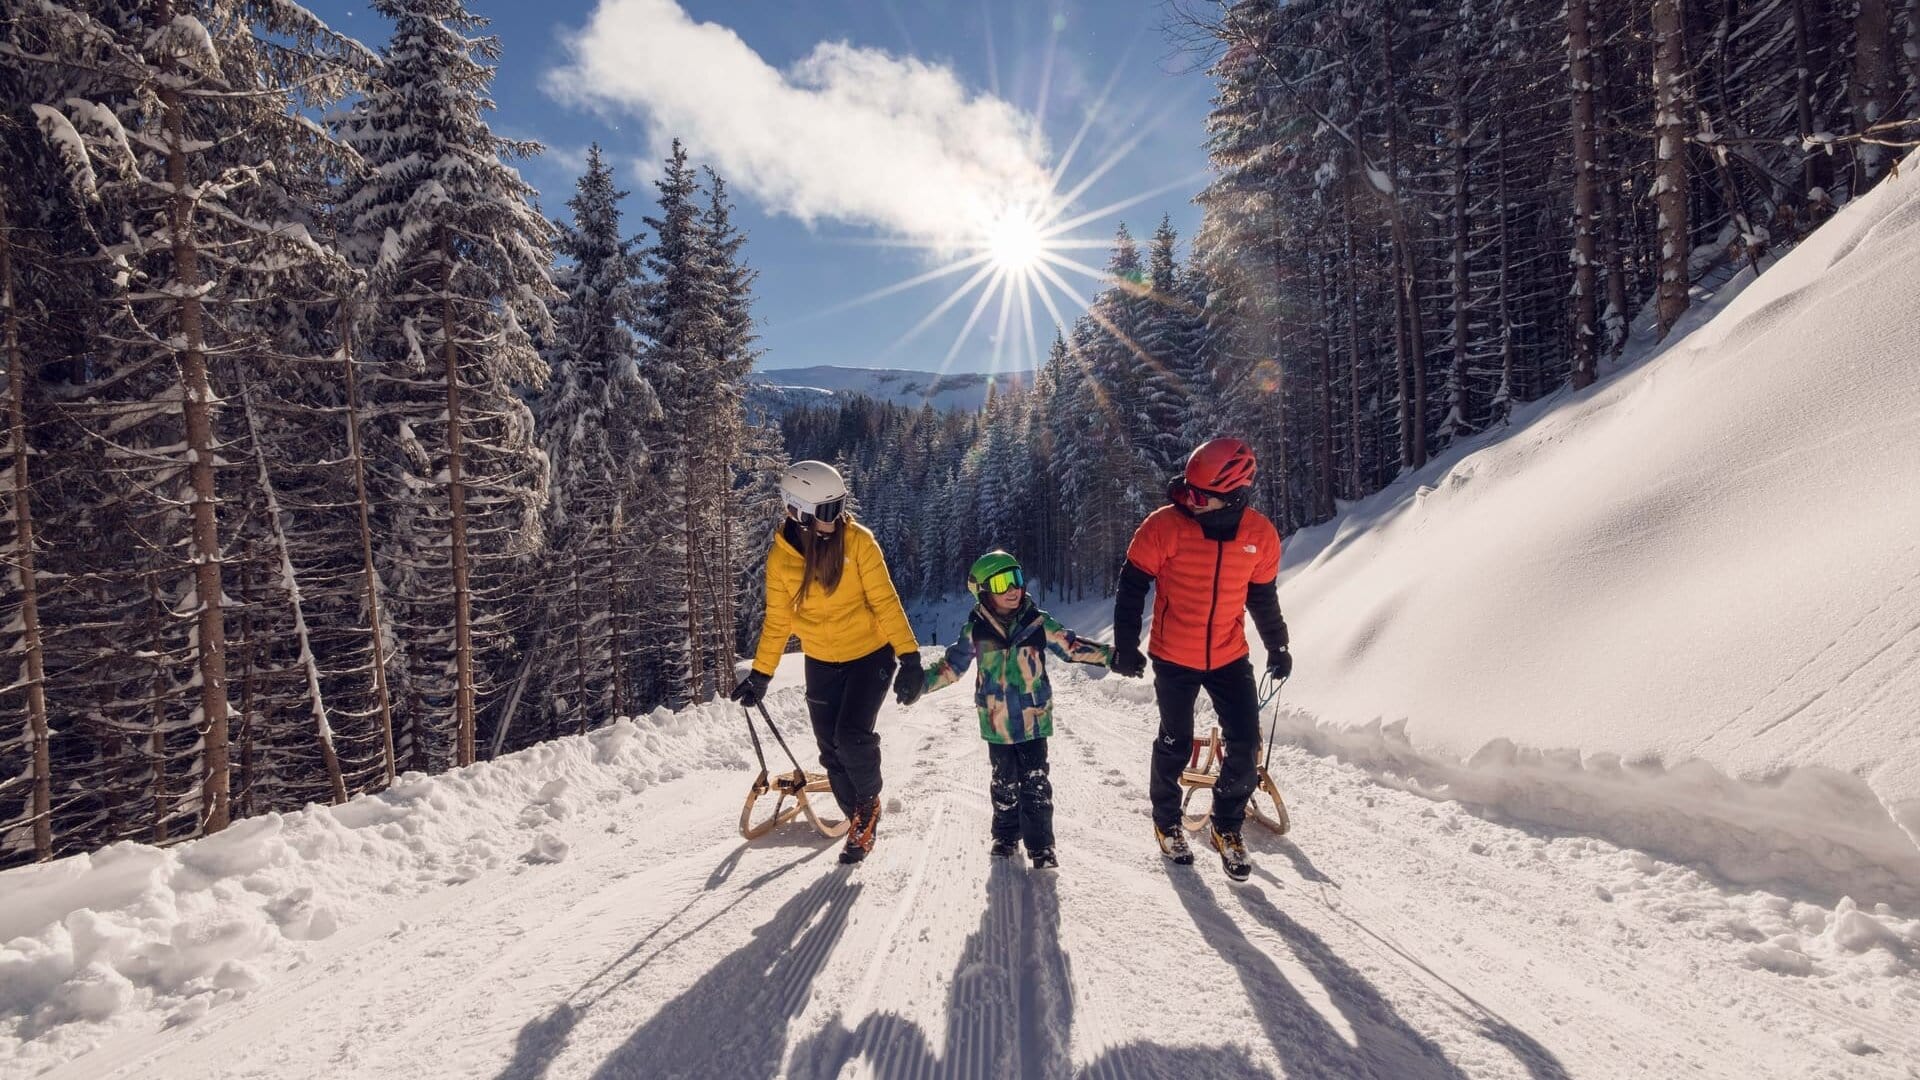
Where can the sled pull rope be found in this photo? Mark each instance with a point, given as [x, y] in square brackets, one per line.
[777, 737]
[1270, 692]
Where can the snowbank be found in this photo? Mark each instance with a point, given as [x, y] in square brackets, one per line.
[133, 934]
[1682, 608]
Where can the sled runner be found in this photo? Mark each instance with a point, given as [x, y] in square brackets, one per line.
[795, 786]
[1203, 769]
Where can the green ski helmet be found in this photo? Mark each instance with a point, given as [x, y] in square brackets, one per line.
[996, 571]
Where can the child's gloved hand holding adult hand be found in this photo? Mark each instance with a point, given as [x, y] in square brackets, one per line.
[1128, 660]
[911, 680]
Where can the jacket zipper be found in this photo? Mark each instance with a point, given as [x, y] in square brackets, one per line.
[1219, 556]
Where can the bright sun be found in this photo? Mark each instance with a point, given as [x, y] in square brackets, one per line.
[1015, 242]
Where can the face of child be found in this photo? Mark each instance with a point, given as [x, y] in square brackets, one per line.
[1005, 603]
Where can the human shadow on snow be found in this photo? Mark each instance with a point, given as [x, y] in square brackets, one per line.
[1340, 979]
[1009, 1012]
[770, 973]
[1384, 1045]
[764, 983]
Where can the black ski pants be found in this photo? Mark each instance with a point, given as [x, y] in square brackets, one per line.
[843, 700]
[1238, 704]
[1022, 793]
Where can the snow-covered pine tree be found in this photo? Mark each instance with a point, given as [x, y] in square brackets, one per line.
[457, 259]
[26, 763]
[590, 419]
[1166, 342]
[690, 319]
[185, 225]
[732, 356]
[763, 460]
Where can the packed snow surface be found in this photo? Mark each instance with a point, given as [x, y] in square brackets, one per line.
[1682, 607]
[586, 909]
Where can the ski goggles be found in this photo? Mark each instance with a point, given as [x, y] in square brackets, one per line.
[1004, 580]
[1196, 498]
[828, 511]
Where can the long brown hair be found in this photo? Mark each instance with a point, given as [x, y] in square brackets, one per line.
[825, 557]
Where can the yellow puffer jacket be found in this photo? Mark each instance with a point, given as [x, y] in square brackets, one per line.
[853, 620]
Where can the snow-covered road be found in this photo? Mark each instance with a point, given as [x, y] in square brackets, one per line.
[1390, 936]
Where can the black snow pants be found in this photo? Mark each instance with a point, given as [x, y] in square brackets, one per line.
[1022, 793]
[1238, 704]
[843, 700]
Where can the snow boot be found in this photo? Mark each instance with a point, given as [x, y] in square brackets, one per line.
[1233, 853]
[860, 828]
[1004, 849]
[1173, 844]
[1044, 859]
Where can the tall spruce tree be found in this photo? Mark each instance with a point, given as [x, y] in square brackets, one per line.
[183, 228]
[457, 259]
[590, 419]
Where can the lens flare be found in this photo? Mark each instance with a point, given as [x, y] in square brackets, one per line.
[1015, 255]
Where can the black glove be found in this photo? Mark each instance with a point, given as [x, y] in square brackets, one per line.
[910, 681]
[1128, 660]
[1279, 663]
[751, 689]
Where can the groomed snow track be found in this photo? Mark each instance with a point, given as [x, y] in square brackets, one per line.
[1392, 936]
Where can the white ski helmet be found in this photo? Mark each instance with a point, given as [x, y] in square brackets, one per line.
[814, 489]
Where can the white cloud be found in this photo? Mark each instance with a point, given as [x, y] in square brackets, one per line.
[847, 134]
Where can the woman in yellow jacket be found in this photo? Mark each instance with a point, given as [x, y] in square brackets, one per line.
[827, 583]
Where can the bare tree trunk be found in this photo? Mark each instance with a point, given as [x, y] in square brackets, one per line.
[1323, 350]
[1913, 53]
[1356, 422]
[457, 514]
[197, 410]
[289, 580]
[1459, 400]
[724, 587]
[617, 611]
[1670, 110]
[690, 506]
[21, 481]
[157, 708]
[1586, 336]
[376, 627]
[1871, 90]
[1504, 289]
[1815, 164]
[244, 731]
[579, 654]
[1614, 319]
[1411, 340]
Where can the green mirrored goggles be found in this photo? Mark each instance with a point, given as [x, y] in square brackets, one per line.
[1004, 580]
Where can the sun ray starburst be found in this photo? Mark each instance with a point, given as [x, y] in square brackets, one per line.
[1015, 252]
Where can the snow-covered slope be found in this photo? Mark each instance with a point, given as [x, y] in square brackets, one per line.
[1682, 607]
[586, 909]
[787, 387]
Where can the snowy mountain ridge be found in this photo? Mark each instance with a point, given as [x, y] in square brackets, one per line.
[778, 389]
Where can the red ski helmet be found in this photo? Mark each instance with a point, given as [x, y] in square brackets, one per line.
[1220, 466]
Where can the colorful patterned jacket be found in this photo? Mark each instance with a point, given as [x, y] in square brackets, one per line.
[1012, 692]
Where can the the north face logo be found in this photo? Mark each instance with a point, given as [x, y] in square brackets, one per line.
[1252, 549]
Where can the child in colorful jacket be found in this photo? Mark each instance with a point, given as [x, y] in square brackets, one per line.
[1009, 634]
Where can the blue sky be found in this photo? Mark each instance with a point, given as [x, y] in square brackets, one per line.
[868, 143]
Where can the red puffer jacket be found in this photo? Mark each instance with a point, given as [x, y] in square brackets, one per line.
[1200, 585]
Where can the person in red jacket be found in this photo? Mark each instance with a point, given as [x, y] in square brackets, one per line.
[1210, 560]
